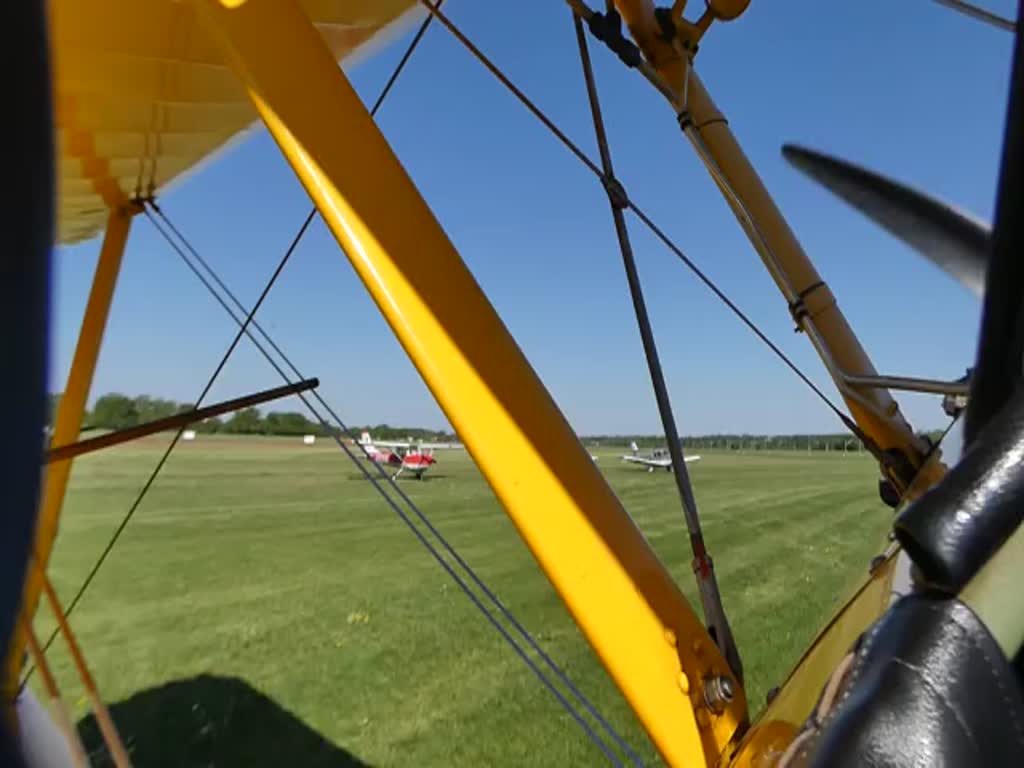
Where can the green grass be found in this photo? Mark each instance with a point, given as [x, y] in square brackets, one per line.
[265, 607]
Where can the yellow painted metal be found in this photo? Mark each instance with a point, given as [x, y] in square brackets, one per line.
[727, 10]
[774, 729]
[620, 595]
[111, 738]
[142, 94]
[992, 591]
[58, 708]
[68, 423]
[874, 409]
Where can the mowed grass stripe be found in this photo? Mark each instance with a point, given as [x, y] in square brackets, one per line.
[279, 574]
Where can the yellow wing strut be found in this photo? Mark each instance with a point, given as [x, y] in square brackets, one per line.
[623, 599]
[67, 425]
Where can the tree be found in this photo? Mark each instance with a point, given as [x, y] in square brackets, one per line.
[114, 411]
[153, 408]
[209, 426]
[290, 423]
[387, 432]
[244, 422]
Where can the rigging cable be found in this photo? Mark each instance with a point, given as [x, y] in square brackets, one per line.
[491, 596]
[640, 214]
[174, 441]
[424, 519]
[432, 550]
[703, 568]
[291, 248]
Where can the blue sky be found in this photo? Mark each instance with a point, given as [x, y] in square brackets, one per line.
[908, 88]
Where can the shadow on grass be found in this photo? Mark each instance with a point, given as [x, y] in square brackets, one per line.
[212, 721]
[404, 479]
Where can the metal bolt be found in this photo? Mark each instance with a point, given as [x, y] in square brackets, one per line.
[718, 693]
[684, 682]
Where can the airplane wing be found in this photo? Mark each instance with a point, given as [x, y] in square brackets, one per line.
[142, 95]
[390, 444]
[648, 462]
[414, 444]
[367, 439]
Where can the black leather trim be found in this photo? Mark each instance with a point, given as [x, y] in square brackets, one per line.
[929, 686]
[952, 530]
[26, 220]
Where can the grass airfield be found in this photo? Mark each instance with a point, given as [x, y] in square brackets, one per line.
[265, 607]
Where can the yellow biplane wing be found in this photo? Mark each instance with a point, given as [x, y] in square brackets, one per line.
[142, 95]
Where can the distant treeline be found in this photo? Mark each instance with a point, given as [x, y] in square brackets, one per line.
[117, 411]
[745, 442]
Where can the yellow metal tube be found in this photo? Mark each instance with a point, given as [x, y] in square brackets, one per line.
[57, 706]
[620, 595]
[111, 738]
[874, 409]
[786, 712]
[68, 423]
[789, 265]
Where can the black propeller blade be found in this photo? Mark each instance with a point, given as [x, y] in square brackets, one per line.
[955, 242]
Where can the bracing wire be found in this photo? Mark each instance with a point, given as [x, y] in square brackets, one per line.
[491, 596]
[739, 313]
[242, 331]
[595, 169]
[707, 583]
[291, 248]
[391, 482]
[431, 549]
[435, 12]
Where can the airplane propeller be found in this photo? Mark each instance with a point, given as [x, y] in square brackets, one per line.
[954, 241]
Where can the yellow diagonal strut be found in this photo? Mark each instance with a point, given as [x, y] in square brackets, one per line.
[68, 423]
[621, 596]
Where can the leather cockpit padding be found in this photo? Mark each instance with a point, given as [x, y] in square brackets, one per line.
[928, 687]
[952, 530]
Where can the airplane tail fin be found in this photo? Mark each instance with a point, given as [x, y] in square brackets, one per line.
[633, 447]
[365, 439]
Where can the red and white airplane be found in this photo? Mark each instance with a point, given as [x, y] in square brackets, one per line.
[415, 458]
[658, 458]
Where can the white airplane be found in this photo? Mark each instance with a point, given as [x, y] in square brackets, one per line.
[658, 458]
